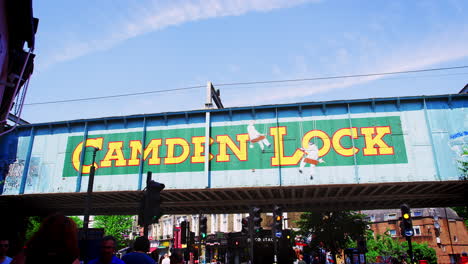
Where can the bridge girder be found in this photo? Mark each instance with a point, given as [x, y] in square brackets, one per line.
[239, 200]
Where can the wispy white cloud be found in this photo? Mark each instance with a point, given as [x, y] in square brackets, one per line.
[433, 50]
[148, 17]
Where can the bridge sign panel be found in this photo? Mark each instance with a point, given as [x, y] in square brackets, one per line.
[349, 142]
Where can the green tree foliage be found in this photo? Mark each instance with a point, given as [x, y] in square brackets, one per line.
[462, 211]
[386, 246]
[78, 221]
[331, 230]
[422, 251]
[34, 222]
[116, 226]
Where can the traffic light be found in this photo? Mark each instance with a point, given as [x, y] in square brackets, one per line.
[257, 220]
[153, 202]
[141, 211]
[277, 218]
[203, 227]
[245, 226]
[184, 230]
[150, 204]
[406, 224]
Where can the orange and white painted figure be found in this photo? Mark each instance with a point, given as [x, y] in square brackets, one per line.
[311, 157]
[257, 137]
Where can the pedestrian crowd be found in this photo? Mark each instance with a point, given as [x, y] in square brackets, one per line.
[56, 242]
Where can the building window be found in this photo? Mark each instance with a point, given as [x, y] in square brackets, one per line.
[194, 224]
[167, 228]
[285, 221]
[237, 222]
[392, 232]
[417, 213]
[455, 238]
[224, 223]
[370, 218]
[392, 216]
[454, 258]
[214, 223]
[417, 230]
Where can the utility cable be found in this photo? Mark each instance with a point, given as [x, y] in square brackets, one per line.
[250, 86]
[342, 76]
[250, 83]
[117, 95]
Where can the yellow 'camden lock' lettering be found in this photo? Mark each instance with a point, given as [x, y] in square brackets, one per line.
[278, 146]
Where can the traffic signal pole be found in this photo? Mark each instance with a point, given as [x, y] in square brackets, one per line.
[88, 205]
[148, 180]
[275, 244]
[406, 226]
[203, 233]
[89, 193]
[199, 238]
[251, 236]
[277, 228]
[410, 249]
[150, 204]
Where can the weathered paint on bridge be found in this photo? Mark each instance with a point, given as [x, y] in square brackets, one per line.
[359, 141]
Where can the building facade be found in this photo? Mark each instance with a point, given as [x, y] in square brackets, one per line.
[441, 228]
[161, 234]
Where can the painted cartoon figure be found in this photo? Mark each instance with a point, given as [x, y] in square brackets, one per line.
[311, 156]
[257, 137]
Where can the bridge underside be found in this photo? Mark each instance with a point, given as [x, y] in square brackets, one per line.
[236, 200]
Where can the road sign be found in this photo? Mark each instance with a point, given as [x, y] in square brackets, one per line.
[278, 234]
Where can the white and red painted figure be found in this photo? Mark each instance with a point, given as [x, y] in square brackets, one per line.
[311, 157]
[257, 137]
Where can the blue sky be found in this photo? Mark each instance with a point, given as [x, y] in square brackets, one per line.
[98, 48]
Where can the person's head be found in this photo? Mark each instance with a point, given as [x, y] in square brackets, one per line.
[166, 255]
[4, 245]
[57, 233]
[108, 245]
[176, 258]
[141, 244]
[464, 254]
[155, 254]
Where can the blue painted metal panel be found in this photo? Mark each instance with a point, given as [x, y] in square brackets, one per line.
[358, 141]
